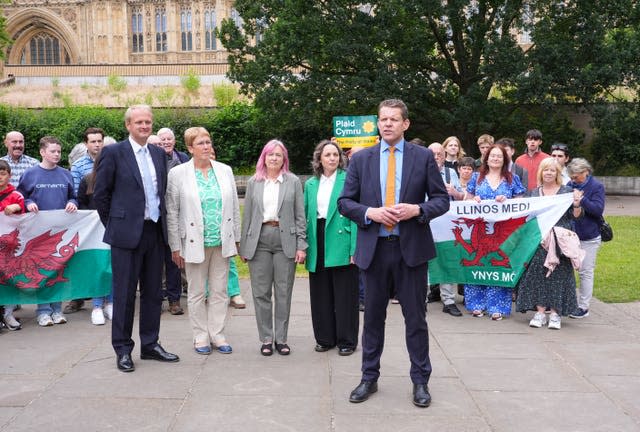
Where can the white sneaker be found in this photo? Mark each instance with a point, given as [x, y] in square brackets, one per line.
[58, 318]
[44, 320]
[554, 321]
[11, 322]
[97, 316]
[108, 310]
[538, 320]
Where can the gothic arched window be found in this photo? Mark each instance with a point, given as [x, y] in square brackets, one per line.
[137, 31]
[45, 49]
[185, 30]
[210, 30]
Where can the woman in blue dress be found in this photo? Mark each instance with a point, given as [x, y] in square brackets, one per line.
[493, 181]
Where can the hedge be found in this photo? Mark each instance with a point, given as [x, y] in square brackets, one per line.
[233, 128]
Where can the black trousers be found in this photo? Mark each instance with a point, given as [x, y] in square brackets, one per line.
[129, 266]
[172, 276]
[389, 269]
[334, 296]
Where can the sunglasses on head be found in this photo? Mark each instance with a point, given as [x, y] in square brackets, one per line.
[562, 147]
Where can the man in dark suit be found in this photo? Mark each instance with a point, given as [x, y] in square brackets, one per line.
[384, 193]
[131, 181]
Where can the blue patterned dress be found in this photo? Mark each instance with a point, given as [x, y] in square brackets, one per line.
[493, 299]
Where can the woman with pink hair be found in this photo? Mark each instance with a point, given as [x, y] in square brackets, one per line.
[273, 241]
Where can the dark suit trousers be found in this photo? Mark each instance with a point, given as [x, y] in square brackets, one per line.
[333, 293]
[386, 270]
[173, 277]
[129, 266]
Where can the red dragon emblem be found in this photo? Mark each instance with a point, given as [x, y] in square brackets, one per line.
[40, 253]
[482, 243]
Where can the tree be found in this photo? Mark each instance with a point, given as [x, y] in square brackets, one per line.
[455, 63]
[5, 39]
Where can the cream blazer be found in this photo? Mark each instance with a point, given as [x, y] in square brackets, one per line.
[184, 212]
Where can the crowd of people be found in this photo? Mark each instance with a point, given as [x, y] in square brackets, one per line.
[358, 225]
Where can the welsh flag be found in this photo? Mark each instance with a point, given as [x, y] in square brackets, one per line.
[489, 243]
[53, 256]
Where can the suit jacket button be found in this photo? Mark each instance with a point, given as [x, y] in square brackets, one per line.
[191, 241]
[192, 223]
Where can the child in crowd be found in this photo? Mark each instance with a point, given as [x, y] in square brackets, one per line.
[47, 186]
[11, 202]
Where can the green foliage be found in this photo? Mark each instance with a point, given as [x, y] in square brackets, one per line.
[234, 130]
[615, 148]
[55, 81]
[5, 38]
[612, 284]
[236, 136]
[191, 81]
[166, 96]
[315, 60]
[116, 83]
[224, 94]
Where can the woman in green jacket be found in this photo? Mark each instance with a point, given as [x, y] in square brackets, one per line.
[333, 278]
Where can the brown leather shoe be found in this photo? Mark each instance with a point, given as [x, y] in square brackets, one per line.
[237, 302]
[73, 306]
[175, 308]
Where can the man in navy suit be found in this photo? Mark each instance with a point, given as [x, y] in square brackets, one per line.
[394, 241]
[131, 180]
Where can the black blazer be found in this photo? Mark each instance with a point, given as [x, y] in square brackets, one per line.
[119, 193]
[420, 177]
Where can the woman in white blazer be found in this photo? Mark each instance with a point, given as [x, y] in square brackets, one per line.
[203, 220]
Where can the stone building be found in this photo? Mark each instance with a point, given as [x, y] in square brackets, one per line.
[91, 39]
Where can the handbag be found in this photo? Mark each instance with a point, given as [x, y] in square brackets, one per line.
[606, 232]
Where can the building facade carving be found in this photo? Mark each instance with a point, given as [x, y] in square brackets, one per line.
[110, 32]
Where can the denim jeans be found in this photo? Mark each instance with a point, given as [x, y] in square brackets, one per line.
[98, 302]
[49, 308]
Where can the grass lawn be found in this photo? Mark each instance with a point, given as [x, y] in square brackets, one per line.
[617, 274]
[617, 271]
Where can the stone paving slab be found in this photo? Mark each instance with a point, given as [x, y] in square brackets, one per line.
[488, 376]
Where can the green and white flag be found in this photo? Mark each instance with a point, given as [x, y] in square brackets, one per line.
[490, 243]
[53, 256]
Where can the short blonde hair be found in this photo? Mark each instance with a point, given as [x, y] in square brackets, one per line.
[548, 163]
[485, 139]
[192, 133]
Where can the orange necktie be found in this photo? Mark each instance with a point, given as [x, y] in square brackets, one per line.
[390, 193]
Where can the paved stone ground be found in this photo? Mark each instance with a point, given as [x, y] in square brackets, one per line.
[488, 376]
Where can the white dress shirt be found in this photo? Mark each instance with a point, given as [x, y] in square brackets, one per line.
[270, 199]
[152, 170]
[324, 194]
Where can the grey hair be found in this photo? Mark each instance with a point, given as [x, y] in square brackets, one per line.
[165, 130]
[579, 165]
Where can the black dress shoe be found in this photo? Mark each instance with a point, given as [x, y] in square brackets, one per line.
[125, 363]
[345, 351]
[452, 309]
[158, 353]
[434, 294]
[421, 396]
[363, 391]
[322, 348]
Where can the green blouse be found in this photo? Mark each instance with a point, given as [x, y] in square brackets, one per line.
[211, 203]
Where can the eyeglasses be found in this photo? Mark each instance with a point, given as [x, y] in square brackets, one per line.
[562, 147]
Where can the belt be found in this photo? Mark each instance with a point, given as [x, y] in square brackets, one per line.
[271, 223]
[390, 238]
